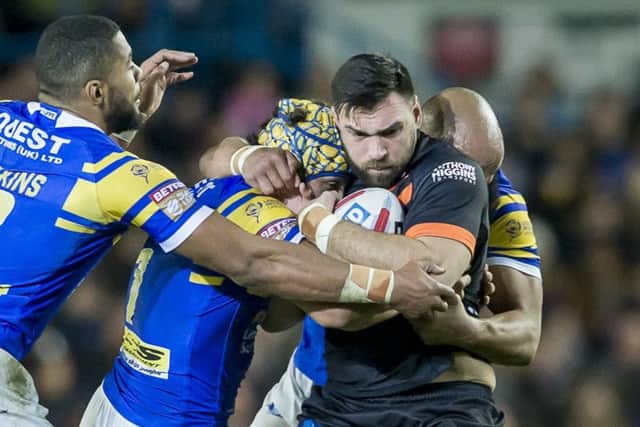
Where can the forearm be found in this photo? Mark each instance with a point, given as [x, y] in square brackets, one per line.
[355, 244]
[509, 338]
[215, 161]
[352, 243]
[348, 317]
[294, 272]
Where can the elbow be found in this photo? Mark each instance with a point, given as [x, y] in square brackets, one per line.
[333, 318]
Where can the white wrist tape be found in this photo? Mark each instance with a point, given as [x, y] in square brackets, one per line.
[366, 284]
[239, 157]
[323, 231]
[310, 217]
[351, 292]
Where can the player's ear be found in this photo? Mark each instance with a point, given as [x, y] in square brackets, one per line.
[416, 109]
[96, 91]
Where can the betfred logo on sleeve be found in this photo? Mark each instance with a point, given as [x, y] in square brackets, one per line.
[278, 230]
[457, 171]
[173, 199]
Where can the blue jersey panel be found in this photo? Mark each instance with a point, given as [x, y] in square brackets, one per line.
[189, 331]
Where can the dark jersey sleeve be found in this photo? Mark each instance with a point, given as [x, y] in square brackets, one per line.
[448, 202]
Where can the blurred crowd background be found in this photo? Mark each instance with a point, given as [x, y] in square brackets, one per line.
[563, 77]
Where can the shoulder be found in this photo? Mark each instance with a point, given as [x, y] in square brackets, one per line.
[437, 161]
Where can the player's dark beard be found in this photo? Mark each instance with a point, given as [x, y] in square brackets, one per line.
[122, 115]
[384, 181]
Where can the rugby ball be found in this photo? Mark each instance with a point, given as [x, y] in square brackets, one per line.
[373, 208]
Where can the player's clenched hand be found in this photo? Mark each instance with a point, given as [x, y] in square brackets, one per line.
[417, 294]
[445, 328]
[158, 72]
[272, 171]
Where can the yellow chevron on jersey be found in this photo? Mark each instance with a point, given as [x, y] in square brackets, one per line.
[508, 199]
[83, 202]
[137, 185]
[203, 279]
[107, 160]
[73, 226]
[513, 230]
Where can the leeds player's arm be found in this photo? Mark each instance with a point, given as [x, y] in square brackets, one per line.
[270, 170]
[511, 335]
[297, 272]
[149, 196]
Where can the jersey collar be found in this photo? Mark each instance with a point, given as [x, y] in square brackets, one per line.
[62, 118]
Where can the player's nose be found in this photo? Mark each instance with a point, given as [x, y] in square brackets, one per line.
[377, 148]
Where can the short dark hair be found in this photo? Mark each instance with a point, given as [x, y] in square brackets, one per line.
[366, 79]
[73, 50]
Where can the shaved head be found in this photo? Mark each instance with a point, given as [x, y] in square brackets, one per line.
[465, 119]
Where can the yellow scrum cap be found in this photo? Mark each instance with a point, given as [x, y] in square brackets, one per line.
[314, 139]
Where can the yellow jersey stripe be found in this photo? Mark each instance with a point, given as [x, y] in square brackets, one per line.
[83, 201]
[4, 289]
[509, 198]
[201, 279]
[73, 226]
[105, 162]
[235, 198]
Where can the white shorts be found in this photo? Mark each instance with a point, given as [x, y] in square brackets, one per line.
[101, 413]
[283, 403]
[19, 405]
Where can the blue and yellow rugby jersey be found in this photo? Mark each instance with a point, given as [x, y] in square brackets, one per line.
[189, 332]
[67, 191]
[511, 239]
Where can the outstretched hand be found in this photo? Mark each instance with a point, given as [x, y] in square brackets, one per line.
[158, 72]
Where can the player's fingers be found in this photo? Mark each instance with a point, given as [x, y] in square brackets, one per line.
[464, 281]
[180, 59]
[285, 173]
[490, 289]
[488, 276]
[173, 77]
[264, 186]
[156, 73]
[176, 59]
[459, 289]
[448, 295]
[440, 306]
[277, 182]
[305, 192]
[432, 268]
[292, 162]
